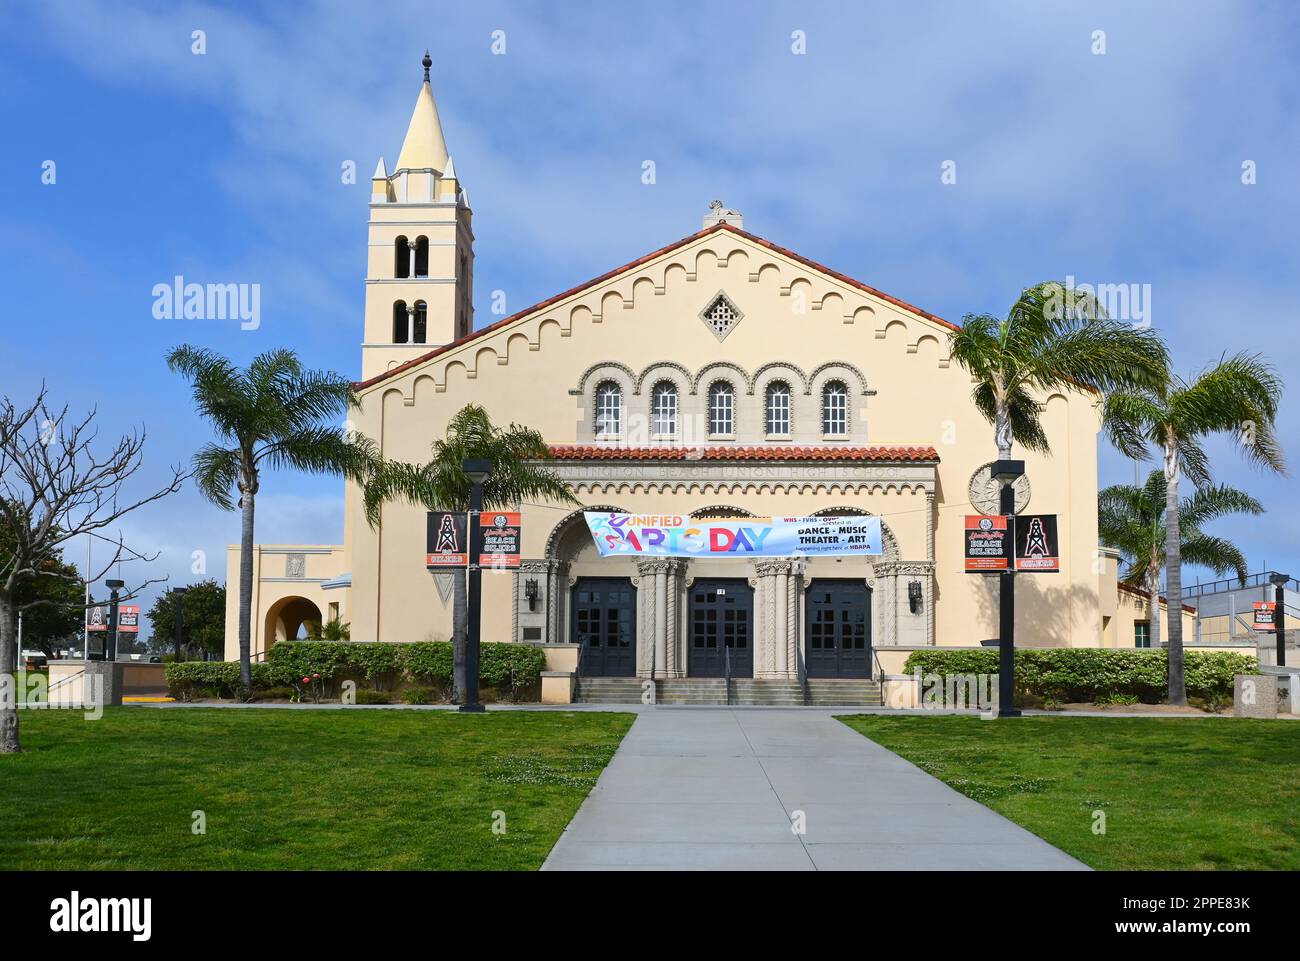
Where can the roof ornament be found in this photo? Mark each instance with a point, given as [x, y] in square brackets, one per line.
[720, 213]
[428, 62]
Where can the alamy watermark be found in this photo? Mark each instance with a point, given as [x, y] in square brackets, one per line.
[945, 692]
[191, 301]
[34, 688]
[1128, 302]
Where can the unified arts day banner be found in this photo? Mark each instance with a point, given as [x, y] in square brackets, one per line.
[678, 535]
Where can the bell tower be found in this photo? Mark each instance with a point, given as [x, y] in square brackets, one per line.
[420, 268]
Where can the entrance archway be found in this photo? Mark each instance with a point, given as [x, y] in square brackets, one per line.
[290, 618]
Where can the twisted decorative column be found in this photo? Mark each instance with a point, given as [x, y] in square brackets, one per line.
[658, 580]
[929, 556]
[776, 618]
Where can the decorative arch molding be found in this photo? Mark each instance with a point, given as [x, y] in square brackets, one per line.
[888, 541]
[719, 512]
[607, 367]
[637, 381]
[717, 365]
[721, 488]
[839, 365]
[656, 368]
[781, 365]
[567, 523]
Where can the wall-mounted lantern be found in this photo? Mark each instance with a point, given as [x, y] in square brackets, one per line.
[531, 593]
[914, 602]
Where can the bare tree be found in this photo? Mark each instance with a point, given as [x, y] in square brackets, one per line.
[55, 487]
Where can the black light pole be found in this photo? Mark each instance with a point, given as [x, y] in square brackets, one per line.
[1279, 615]
[477, 470]
[179, 594]
[1006, 473]
[110, 636]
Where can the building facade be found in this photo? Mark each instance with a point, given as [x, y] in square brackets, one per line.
[718, 376]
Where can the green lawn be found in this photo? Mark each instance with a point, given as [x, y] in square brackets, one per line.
[1178, 794]
[344, 789]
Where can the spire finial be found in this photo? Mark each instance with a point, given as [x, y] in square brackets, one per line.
[428, 62]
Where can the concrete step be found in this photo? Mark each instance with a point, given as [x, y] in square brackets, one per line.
[744, 691]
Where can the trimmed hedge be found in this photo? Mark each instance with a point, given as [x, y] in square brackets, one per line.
[1075, 675]
[189, 679]
[506, 666]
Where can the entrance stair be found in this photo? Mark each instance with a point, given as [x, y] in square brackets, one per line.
[744, 692]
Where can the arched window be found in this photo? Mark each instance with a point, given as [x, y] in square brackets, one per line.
[835, 409]
[401, 323]
[778, 408]
[663, 408]
[422, 257]
[722, 409]
[401, 259]
[420, 323]
[609, 409]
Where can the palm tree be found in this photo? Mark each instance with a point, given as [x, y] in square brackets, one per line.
[441, 484]
[1132, 519]
[1238, 396]
[1053, 338]
[267, 415]
[332, 630]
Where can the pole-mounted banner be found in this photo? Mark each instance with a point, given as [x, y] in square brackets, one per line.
[1030, 541]
[447, 539]
[679, 535]
[1265, 616]
[445, 542]
[987, 544]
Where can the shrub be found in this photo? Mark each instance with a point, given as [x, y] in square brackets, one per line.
[279, 693]
[429, 661]
[310, 686]
[1072, 675]
[187, 680]
[1116, 699]
[509, 667]
[421, 695]
[374, 697]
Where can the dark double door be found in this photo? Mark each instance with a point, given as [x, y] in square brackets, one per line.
[604, 624]
[838, 629]
[721, 628]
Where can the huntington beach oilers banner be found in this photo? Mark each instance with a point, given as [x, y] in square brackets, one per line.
[679, 535]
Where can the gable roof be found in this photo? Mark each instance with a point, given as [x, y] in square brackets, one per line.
[722, 226]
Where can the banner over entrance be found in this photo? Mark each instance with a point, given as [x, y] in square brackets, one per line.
[678, 535]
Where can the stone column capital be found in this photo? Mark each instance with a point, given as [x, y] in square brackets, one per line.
[655, 565]
[770, 567]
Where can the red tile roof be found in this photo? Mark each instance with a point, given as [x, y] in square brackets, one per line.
[718, 452]
[415, 361]
[1130, 589]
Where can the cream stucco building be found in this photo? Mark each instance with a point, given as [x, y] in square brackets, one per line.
[720, 375]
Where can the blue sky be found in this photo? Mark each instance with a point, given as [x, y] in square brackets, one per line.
[1115, 168]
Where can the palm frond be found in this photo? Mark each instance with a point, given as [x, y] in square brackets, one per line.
[1211, 503]
[1239, 395]
[516, 454]
[320, 450]
[1101, 353]
[216, 470]
[1128, 417]
[1216, 553]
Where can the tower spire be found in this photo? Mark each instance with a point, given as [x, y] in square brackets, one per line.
[424, 146]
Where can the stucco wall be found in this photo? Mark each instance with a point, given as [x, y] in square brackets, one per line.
[525, 372]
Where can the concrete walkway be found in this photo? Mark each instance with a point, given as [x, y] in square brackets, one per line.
[717, 789]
